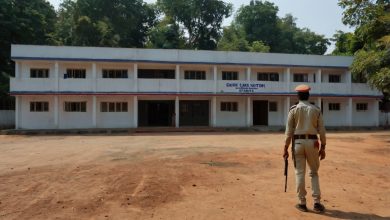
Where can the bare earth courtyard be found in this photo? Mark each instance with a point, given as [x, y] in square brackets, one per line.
[186, 176]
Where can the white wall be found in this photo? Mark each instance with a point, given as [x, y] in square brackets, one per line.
[36, 120]
[364, 118]
[75, 119]
[7, 118]
[335, 118]
[115, 119]
[231, 119]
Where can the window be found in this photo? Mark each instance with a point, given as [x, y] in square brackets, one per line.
[228, 75]
[7, 103]
[301, 77]
[334, 78]
[192, 74]
[268, 76]
[361, 106]
[334, 106]
[39, 73]
[39, 106]
[156, 74]
[75, 106]
[229, 106]
[115, 74]
[273, 106]
[113, 106]
[75, 73]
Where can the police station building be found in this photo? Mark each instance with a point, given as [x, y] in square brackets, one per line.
[90, 87]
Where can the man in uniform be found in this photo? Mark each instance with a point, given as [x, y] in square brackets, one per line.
[303, 124]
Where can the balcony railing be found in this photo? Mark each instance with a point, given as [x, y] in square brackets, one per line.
[32, 84]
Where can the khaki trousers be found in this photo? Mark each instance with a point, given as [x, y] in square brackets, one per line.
[305, 150]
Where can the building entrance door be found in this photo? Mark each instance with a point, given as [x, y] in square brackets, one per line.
[194, 113]
[260, 112]
[156, 113]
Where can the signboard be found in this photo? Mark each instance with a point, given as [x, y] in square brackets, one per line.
[245, 87]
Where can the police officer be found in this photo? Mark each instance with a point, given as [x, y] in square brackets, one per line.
[303, 124]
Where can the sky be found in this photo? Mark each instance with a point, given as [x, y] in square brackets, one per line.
[320, 16]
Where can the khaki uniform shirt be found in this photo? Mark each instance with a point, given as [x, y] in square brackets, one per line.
[305, 118]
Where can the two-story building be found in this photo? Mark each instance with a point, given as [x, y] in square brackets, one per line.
[89, 87]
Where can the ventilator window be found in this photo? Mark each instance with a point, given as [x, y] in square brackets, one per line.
[301, 77]
[229, 106]
[229, 75]
[273, 106]
[334, 78]
[113, 107]
[194, 74]
[75, 106]
[39, 106]
[39, 73]
[361, 106]
[75, 73]
[267, 76]
[334, 106]
[115, 74]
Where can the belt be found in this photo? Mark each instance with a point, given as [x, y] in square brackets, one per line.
[305, 136]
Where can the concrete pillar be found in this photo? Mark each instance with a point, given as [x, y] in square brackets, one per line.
[319, 76]
[17, 70]
[135, 78]
[135, 111]
[215, 72]
[248, 73]
[214, 111]
[319, 102]
[177, 122]
[56, 76]
[287, 104]
[18, 99]
[248, 111]
[348, 80]
[177, 76]
[288, 79]
[349, 112]
[94, 104]
[56, 112]
[94, 76]
[376, 112]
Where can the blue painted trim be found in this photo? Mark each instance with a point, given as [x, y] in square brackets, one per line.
[169, 62]
[184, 93]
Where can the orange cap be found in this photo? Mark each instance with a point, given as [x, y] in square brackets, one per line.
[302, 88]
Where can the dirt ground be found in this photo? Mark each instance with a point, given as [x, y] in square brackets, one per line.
[187, 176]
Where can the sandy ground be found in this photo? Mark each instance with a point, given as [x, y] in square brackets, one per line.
[186, 176]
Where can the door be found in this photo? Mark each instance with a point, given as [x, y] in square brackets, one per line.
[155, 113]
[260, 112]
[194, 113]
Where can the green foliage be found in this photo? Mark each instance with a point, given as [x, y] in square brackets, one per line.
[233, 39]
[261, 23]
[346, 43]
[200, 19]
[105, 23]
[259, 46]
[166, 36]
[22, 22]
[372, 21]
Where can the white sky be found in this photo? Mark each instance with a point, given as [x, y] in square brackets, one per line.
[321, 16]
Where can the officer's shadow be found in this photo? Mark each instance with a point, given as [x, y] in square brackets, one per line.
[351, 215]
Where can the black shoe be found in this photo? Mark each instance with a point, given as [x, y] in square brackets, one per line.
[318, 207]
[301, 208]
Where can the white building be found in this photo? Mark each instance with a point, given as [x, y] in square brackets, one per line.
[90, 87]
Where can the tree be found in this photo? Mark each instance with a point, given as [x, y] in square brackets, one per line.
[105, 23]
[22, 22]
[345, 43]
[259, 46]
[200, 19]
[261, 23]
[233, 39]
[372, 21]
[166, 35]
[259, 20]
